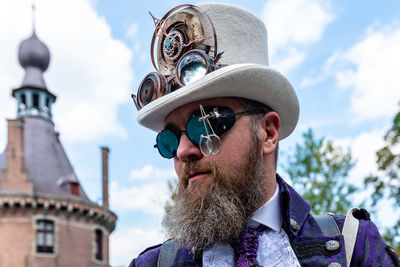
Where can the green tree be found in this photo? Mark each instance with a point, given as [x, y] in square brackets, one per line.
[387, 182]
[171, 188]
[318, 170]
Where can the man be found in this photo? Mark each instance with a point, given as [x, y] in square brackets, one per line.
[220, 112]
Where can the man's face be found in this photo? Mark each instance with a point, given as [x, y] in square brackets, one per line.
[215, 194]
[191, 166]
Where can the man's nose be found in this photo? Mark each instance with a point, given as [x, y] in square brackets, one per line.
[187, 150]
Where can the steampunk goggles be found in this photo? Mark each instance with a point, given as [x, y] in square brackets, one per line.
[191, 67]
[181, 54]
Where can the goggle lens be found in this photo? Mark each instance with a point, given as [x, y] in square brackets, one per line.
[192, 67]
[195, 129]
[167, 143]
[147, 91]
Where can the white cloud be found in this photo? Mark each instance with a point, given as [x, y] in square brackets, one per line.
[293, 25]
[147, 194]
[132, 31]
[149, 198]
[363, 148]
[126, 244]
[89, 70]
[150, 172]
[371, 69]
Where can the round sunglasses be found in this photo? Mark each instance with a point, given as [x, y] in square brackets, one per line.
[221, 120]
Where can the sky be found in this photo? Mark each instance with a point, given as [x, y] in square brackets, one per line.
[342, 58]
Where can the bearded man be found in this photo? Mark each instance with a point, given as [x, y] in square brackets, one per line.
[220, 112]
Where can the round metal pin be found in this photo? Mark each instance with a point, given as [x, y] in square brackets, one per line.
[332, 245]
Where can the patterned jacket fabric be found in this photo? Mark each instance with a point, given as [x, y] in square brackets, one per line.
[306, 238]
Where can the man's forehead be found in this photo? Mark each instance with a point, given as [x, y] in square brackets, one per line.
[187, 110]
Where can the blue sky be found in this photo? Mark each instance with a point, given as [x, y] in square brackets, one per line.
[342, 57]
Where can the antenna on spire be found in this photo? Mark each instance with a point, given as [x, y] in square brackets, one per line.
[33, 16]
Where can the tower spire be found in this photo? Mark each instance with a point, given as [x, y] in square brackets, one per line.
[33, 97]
[33, 16]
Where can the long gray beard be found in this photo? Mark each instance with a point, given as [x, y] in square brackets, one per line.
[197, 221]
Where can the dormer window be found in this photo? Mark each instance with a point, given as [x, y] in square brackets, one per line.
[74, 188]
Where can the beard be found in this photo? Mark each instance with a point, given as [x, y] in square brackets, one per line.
[197, 219]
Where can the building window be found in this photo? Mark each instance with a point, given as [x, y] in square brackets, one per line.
[22, 104]
[99, 244]
[36, 101]
[45, 236]
[23, 99]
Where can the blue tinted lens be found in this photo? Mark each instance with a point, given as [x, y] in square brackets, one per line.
[167, 143]
[195, 129]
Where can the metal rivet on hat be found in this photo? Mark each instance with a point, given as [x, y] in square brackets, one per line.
[334, 264]
[294, 224]
[332, 245]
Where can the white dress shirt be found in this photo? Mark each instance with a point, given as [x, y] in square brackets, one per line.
[274, 247]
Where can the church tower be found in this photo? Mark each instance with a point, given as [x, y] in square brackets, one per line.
[46, 218]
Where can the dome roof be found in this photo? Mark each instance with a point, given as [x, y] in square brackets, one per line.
[34, 53]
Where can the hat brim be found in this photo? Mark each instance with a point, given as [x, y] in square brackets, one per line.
[252, 81]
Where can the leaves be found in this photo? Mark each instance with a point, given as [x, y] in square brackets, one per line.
[318, 170]
[387, 183]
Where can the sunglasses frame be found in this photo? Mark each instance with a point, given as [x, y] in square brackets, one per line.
[218, 113]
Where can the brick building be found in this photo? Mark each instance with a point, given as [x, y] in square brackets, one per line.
[46, 219]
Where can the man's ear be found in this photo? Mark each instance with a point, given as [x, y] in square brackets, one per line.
[269, 128]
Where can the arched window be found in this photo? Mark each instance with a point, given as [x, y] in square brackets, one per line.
[98, 235]
[44, 236]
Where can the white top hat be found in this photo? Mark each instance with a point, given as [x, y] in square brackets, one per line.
[242, 37]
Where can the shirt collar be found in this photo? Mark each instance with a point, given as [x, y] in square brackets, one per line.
[268, 214]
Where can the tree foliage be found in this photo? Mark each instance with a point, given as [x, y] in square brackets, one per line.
[171, 188]
[387, 182]
[318, 170]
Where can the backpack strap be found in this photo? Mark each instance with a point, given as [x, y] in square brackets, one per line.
[327, 224]
[350, 230]
[167, 254]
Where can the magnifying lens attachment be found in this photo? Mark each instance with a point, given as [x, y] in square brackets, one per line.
[210, 144]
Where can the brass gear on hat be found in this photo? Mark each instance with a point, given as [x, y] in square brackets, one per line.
[183, 32]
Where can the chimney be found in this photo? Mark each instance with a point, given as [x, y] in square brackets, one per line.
[104, 161]
[15, 176]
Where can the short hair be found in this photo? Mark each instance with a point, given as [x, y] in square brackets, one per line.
[257, 116]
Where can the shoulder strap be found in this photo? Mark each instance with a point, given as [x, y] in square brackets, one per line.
[327, 224]
[167, 254]
[350, 230]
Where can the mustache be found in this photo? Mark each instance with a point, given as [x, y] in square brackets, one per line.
[194, 166]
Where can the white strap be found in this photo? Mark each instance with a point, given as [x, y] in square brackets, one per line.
[350, 229]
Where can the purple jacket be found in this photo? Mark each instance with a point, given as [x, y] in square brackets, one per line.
[306, 239]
